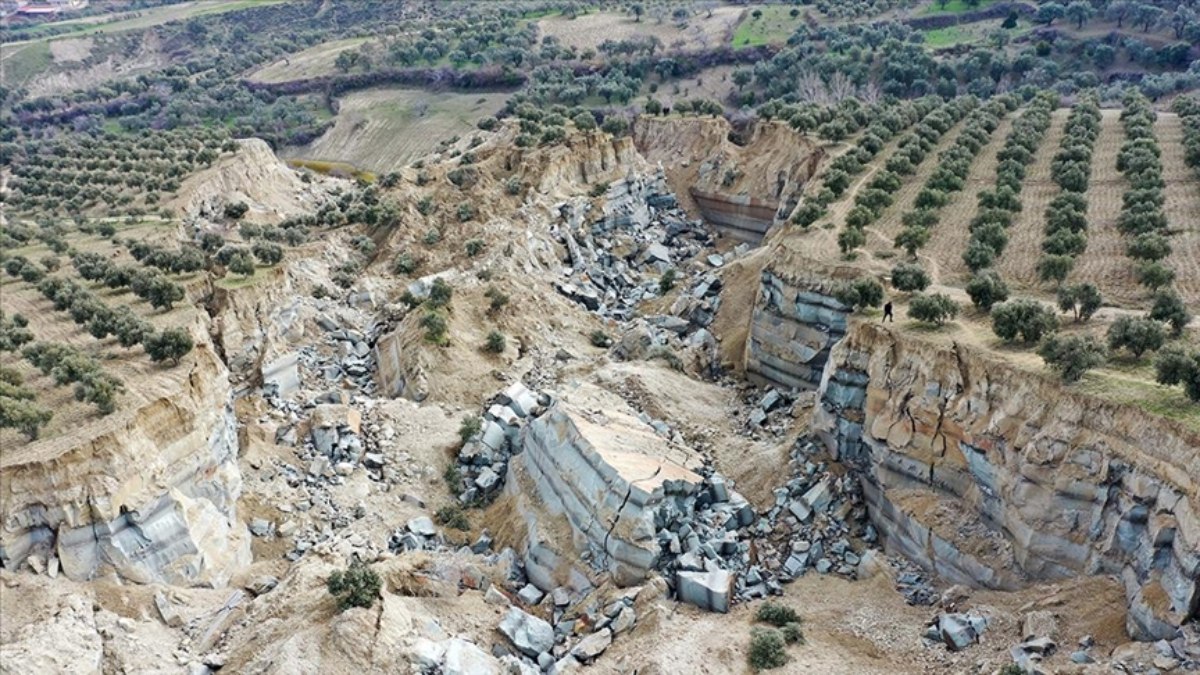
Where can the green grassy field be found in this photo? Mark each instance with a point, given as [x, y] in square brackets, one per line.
[954, 6]
[20, 64]
[774, 26]
[950, 35]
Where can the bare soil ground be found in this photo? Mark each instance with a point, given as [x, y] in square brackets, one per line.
[1018, 265]
[711, 83]
[589, 30]
[384, 129]
[1104, 263]
[1182, 208]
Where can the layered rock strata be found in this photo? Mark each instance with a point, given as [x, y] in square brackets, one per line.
[993, 476]
[149, 493]
[605, 474]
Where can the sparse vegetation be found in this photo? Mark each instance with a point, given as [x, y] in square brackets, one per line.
[357, 586]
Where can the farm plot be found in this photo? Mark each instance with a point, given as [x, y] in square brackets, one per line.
[312, 62]
[1104, 263]
[143, 379]
[1018, 264]
[384, 129]
[882, 233]
[1182, 208]
[953, 232]
[588, 31]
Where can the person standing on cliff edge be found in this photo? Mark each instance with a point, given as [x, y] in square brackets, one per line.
[887, 313]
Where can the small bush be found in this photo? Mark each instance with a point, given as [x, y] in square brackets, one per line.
[600, 339]
[469, 427]
[358, 586]
[767, 649]
[465, 211]
[405, 263]
[452, 515]
[435, 328]
[497, 300]
[453, 477]
[431, 237]
[777, 614]
[792, 634]
[495, 342]
[666, 282]
[440, 294]
[474, 247]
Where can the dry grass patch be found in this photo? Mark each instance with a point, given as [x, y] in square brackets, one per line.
[589, 30]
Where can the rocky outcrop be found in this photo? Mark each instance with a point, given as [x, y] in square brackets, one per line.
[605, 474]
[794, 324]
[148, 493]
[994, 476]
[253, 175]
[743, 181]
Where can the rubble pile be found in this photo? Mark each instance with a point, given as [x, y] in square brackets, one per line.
[483, 459]
[618, 258]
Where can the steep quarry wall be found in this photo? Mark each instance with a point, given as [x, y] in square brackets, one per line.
[795, 323]
[991, 475]
[744, 182]
[148, 493]
[987, 474]
[595, 480]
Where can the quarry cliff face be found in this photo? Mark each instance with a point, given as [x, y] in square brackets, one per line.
[989, 475]
[743, 181]
[149, 494]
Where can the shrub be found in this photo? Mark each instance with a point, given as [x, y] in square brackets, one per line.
[1173, 367]
[860, 294]
[600, 339]
[666, 282]
[452, 515]
[1055, 267]
[242, 263]
[1071, 356]
[495, 342]
[435, 328]
[1155, 275]
[792, 634]
[1081, 299]
[767, 649]
[405, 263]
[470, 426]
[935, 308]
[497, 300]
[850, 239]
[466, 211]
[358, 586]
[236, 210]
[172, 343]
[986, 288]
[1138, 335]
[776, 613]
[909, 277]
[268, 253]
[1027, 319]
[453, 477]
[440, 293]
[431, 237]
[474, 247]
[1168, 307]
[24, 415]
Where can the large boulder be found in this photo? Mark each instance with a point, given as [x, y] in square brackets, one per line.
[529, 634]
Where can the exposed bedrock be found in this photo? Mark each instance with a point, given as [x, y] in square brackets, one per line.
[594, 480]
[994, 476]
[794, 324]
[149, 493]
[739, 216]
